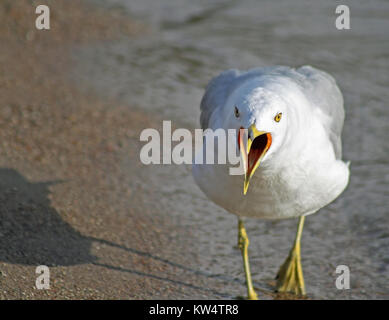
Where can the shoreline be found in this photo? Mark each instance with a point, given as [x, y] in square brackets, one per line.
[69, 159]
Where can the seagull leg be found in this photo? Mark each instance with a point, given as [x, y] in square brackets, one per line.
[290, 276]
[243, 243]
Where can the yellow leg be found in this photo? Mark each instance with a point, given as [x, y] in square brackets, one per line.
[290, 276]
[243, 243]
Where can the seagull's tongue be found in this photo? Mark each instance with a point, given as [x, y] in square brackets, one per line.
[257, 149]
[253, 158]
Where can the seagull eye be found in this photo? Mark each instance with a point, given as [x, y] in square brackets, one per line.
[278, 116]
[236, 111]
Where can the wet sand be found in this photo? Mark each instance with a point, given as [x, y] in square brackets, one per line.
[164, 73]
[67, 161]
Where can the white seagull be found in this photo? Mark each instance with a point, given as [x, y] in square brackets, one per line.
[292, 157]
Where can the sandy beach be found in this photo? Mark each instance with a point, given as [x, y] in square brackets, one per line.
[66, 160]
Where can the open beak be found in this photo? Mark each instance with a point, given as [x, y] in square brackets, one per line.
[258, 143]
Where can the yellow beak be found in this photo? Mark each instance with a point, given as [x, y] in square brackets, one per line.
[258, 143]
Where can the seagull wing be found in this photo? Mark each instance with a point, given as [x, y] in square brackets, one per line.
[322, 90]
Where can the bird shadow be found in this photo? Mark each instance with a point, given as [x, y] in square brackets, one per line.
[32, 232]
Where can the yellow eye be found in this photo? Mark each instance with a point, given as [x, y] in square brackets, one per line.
[277, 118]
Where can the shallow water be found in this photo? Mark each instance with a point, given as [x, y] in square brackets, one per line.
[164, 73]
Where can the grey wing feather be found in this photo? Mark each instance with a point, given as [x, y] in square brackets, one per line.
[323, 91]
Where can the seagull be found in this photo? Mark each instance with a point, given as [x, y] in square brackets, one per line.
[292, 153]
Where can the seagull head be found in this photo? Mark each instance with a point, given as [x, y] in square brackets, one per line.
[260, 116]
